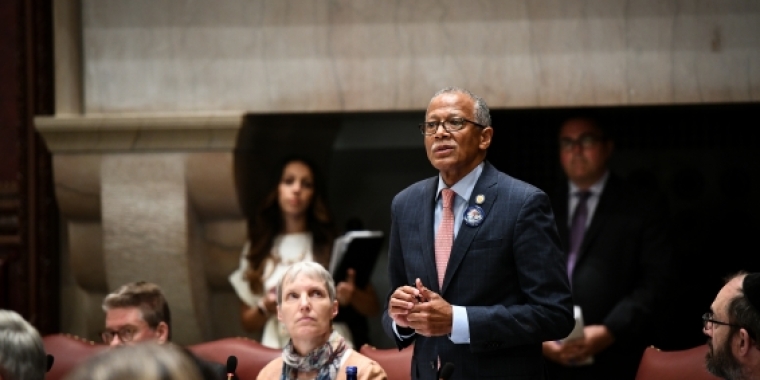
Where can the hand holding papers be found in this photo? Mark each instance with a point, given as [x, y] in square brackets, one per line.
[578, 333]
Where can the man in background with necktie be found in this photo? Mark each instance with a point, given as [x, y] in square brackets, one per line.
[618, 258]
[477, 274]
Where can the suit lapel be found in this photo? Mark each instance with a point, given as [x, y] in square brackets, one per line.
[486, 186]
[430, 278]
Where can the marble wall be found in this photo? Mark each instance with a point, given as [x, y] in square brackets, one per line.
[267, 56]
[151, 95]
[171, 218]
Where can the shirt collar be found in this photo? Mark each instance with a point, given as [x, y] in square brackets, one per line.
[464, 187]
[596, 188]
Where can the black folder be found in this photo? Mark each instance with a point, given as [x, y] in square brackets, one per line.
[358, 250]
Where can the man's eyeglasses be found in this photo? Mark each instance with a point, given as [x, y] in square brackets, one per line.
[585, 142]
[452, 125]
[708, 321]
[126, 334]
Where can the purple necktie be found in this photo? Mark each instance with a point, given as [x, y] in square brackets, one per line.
[577, 229]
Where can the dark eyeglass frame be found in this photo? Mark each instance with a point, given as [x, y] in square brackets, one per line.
[707, 317]
[125, 334]
[584, 141]
[447, 125]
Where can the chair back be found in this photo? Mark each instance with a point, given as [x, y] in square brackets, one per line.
[397, 364]
[688, 364]
[68, 352]
[251, 355]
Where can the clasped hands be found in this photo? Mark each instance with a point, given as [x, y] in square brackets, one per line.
[421, 309]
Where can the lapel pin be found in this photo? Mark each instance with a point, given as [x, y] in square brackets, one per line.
[480, 198]
[473, 216]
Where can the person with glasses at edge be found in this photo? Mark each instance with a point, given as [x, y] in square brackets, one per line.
[475, 266]
[731, 327]
[138, 312]
[618, 258]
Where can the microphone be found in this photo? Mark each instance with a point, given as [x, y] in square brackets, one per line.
[231, 367]
[446, 371]
[50, 360]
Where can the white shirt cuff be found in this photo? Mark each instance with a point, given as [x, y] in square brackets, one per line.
[460, 329]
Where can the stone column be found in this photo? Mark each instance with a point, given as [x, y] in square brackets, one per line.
[146, 231]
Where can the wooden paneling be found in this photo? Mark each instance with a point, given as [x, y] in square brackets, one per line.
[28, 214]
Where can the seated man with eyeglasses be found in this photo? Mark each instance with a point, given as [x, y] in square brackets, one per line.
[731, 325]
[138, 312]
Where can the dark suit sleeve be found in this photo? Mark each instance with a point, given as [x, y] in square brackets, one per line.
[396, 273]
[634, 312]
[540, 308]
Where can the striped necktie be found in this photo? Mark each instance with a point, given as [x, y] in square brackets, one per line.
[444, 237]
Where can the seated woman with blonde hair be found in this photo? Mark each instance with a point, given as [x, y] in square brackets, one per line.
[306, 306]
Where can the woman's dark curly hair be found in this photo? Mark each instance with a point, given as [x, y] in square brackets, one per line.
[268, 223]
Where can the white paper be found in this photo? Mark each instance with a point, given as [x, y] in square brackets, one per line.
[578, 332]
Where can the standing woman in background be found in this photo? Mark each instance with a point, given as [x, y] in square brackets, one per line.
[292, 225]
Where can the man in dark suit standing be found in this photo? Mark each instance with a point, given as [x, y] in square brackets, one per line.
[615, 234]
[475, 265]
